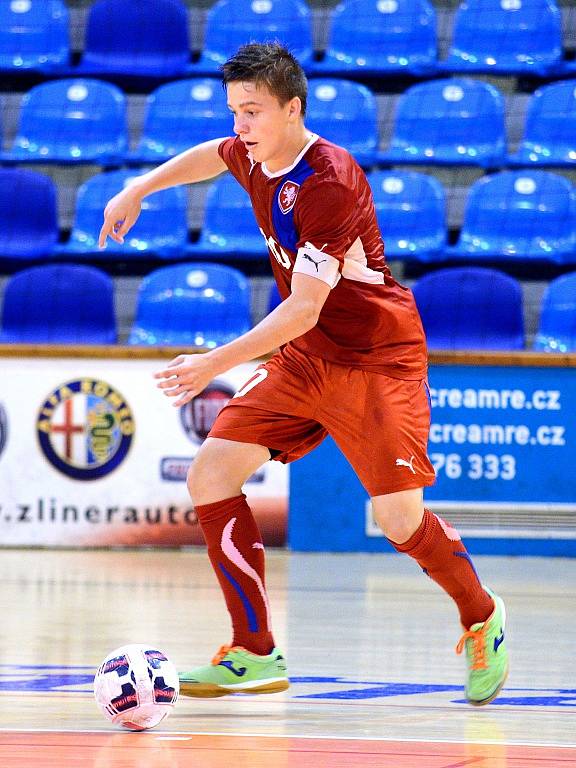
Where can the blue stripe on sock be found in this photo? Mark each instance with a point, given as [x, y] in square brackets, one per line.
[466, 556]
[250, 612]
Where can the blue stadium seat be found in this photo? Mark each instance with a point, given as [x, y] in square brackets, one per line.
[557, 327]
[71, 121]
[148, 38]
[180, 115]
[411, 211]
[506, 37]
[161, 229]
[192, 305]
[229, 228]
[550, 128]
[381, 37]
[519, 215]
[470, 308]
[454, 121]
[28, 214]
[345, 113]
[59, 304]
[232, 23]
[34, 35]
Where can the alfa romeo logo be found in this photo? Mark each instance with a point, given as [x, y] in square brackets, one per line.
[85, 428]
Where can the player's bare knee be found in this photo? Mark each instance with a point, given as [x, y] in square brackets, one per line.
[208, 477]
[220, 469]
[398, 528]
[398, 514]
[193, 479]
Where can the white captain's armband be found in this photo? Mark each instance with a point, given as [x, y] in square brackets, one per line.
[317, 263]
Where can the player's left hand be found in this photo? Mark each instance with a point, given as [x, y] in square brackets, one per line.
[185, 377]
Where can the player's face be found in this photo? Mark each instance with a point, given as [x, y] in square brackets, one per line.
[272, 132]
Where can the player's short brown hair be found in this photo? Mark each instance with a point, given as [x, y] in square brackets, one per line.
[269, 64]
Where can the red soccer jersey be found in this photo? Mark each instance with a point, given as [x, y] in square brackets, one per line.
[318, 217]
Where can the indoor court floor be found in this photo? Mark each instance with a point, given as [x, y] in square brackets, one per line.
[370, 647]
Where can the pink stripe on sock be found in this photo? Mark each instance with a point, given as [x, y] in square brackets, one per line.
[451, 533]
[235, 556]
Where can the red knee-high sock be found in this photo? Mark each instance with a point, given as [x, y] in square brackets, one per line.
[438, 550]
[237, 556]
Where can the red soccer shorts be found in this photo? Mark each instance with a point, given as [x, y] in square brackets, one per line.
[293, 401]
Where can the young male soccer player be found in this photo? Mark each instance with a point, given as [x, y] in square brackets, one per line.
[351, 363]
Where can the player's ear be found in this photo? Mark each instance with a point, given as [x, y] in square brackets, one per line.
[295, 108]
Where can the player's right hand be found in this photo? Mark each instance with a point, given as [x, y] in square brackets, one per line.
[186, 376]
[119, 216]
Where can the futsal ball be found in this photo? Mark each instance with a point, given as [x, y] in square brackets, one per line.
[136, 686]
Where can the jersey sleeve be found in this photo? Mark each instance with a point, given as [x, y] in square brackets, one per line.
[234, 154]
[327, 225]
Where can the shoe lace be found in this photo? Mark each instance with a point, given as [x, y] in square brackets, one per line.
[222, 651]
[478, 651]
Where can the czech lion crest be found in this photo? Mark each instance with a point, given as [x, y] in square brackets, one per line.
[287, 195]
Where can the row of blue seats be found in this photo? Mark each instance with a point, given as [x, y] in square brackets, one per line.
[527, 215]
[205, 305]
[151, 38]
[456, 121]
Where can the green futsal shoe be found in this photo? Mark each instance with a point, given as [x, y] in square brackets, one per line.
[236, 670]
[486, 655]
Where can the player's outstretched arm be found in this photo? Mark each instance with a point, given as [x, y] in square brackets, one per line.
[187, 375]
[199, 163]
